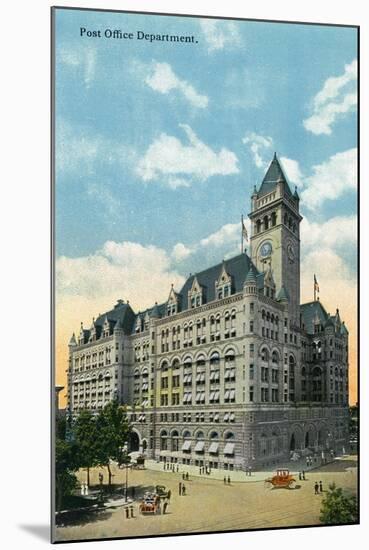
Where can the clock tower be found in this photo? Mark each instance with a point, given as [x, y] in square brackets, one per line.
[275, 234]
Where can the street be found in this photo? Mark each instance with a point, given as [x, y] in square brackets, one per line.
[211, 505]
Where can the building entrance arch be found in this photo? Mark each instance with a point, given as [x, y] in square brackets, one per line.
[134, 442]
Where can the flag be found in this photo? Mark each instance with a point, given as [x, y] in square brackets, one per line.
[244, 231]
[316, 286]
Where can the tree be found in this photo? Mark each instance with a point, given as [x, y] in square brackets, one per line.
[66, 463]
[338, 508]
[112, 431]
[84, 431]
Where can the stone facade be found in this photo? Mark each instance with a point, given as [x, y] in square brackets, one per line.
[231, 371]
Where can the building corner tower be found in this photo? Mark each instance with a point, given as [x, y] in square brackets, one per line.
[275, 235]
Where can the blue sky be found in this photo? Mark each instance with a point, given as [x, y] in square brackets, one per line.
[160, 144]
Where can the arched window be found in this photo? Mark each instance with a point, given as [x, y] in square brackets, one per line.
[266, 222]
[164, 440]
[164, 366]
[175, 440]
[258, 226]
[200, 360]
[214, 358]
[264, 354]
[229, 436]
[275, 358]
[274, 219]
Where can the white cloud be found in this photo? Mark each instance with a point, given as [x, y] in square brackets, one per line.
[162, 79]
[337, 232]
[337, 97]
[181, 252]
[81, 58]
[331, 179]
[219, 35]
[176, 164]
[228, 233]
[141, 274]
[259, 147]
[292, 170]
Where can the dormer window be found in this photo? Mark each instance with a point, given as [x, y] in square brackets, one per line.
[223, 286]
[195, 294]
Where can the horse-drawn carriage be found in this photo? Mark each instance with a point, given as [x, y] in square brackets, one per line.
[282, 478]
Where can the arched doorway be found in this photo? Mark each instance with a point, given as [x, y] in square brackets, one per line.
[134, 442]
[292, 442]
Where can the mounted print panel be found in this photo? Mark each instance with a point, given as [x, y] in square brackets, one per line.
[205, 274]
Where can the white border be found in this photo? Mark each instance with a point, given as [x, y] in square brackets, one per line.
[25, 262]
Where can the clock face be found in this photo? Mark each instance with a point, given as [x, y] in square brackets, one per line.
[266, 249]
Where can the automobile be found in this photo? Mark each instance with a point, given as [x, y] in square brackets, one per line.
[282, 478]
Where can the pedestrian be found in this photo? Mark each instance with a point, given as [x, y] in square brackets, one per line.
[183, 476]
[250, 469]
[187, 476]
[169, 494]
[131, 509]
[86, 489]
[303, 475]
[307, 461]
[177, 468]
[316, 487]
[300, 476]
[321, 486]
[225, 480]
[180, 488]
[82, 488]
[101, 478]
[165, 506]
[229, 480]
[127, 512]
[183, 490]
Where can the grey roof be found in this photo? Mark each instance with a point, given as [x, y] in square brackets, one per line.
[344, 328]
[237, 267]
[283, 295]
[312, 311]
[122, 312]
[251, 276]
[158, 310]
[272, 176]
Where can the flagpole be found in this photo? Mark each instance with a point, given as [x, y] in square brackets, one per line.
[314, 288]
[241, 233]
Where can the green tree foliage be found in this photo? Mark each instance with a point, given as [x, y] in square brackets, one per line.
[338, 508]
[66, 463]
[84, 431]
[112, 431]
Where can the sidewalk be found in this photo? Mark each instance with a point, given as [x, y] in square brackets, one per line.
[236, 475]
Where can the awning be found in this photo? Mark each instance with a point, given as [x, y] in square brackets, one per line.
[232, 394]
[226, 417]
[232, 417]
[216, 417]
[214, 447]
[229, 449]
[199, 447]
[186, 446]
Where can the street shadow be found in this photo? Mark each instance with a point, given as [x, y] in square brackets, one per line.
[78, 518]
[39, 531]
